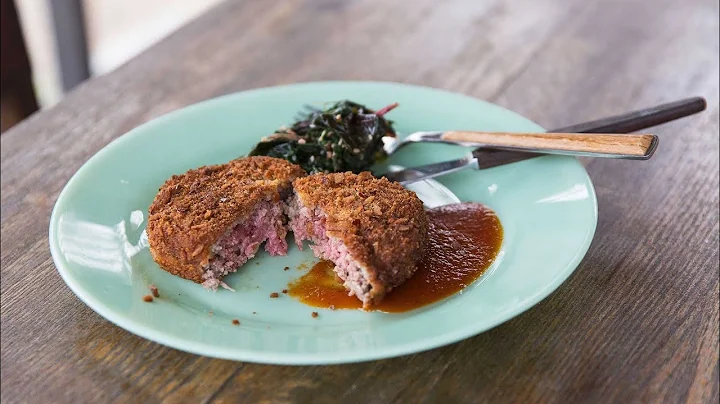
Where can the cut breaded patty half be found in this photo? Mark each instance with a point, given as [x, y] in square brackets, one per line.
[373, 230]
[208, 222]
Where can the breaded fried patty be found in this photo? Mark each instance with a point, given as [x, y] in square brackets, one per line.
[209, 221]
[373, 230]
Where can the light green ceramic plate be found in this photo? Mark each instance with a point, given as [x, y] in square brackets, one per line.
[547, 207]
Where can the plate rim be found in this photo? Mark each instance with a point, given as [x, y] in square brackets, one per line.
[285, 358]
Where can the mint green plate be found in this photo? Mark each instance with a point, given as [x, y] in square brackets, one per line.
[547, 207]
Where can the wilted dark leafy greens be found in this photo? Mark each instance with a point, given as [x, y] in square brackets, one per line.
[343, 137]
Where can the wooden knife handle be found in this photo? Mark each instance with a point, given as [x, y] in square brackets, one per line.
[630, 146]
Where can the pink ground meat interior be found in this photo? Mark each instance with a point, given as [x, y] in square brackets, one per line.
[239, 244]
[308, 224]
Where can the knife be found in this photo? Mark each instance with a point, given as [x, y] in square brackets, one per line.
[482, 158]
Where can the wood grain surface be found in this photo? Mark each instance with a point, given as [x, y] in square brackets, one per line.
[637, 321]
[625, 145]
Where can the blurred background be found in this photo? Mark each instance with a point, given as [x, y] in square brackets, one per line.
[51, 46]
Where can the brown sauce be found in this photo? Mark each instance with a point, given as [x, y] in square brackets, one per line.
[464, 240]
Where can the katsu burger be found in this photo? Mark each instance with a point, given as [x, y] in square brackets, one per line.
[208, 222]
[373, 230]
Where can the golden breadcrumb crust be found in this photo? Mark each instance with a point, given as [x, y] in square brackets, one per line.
[383, 225]
[193, 210]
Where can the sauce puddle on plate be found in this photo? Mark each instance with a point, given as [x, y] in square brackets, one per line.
[464, 240]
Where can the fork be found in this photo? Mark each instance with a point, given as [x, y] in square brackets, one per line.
[624, 123]
[483, 158]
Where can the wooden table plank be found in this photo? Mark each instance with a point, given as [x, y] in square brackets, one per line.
[638, 321]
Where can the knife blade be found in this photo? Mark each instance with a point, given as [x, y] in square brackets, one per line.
[479, 159]
[430, 192]
[411, 175]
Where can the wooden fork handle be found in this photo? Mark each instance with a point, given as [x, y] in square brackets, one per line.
[629, 146]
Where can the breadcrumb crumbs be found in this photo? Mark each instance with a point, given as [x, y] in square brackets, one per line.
[286, 268]
[284, 290]
[274, 295]
[154, 291]
[147, 299]
[314, 314]
[236, 321]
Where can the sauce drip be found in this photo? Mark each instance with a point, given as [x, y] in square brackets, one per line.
[464, 239]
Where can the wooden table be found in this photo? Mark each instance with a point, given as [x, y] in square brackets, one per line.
[638, 320]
